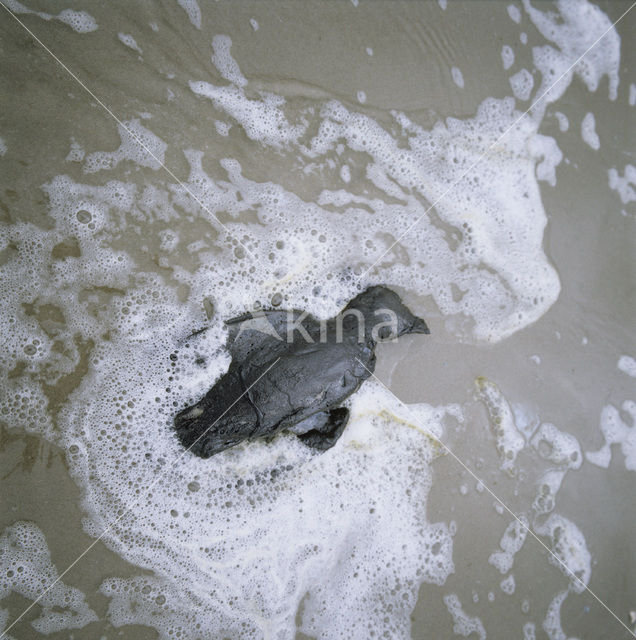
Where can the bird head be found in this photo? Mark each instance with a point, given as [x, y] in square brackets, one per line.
[386, 315]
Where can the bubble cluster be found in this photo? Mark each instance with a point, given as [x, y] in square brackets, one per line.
[511, 542]
[502, 422]
[79, 21]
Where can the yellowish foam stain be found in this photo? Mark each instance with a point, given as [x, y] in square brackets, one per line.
[436, 445]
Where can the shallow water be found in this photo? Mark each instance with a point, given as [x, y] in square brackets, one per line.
[283, 148]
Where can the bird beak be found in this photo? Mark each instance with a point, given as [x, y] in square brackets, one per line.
[419, 326]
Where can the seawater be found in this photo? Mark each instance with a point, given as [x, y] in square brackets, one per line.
[294, 194]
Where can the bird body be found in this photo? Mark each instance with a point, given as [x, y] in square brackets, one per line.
[290, 371]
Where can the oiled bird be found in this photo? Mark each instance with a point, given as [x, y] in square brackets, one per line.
[291, 371]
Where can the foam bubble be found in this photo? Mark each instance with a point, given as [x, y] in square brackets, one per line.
[627, 364]
[463, 624]
[511, 542]
[514, 13]
[79, 21]
[529, 631]
[76, 153]
[547, 489]
[575, 30]
[623, 185]
[616, 431]
[562, 119]
[136, 140]
[502, 423]
[507, 56]
[588, 131]
[458, 77]
[225, 63]
[507, 585]
[557, 446]
[522, 84]
[552, 621]
[571, 555]
[191, 7]
[129, 41]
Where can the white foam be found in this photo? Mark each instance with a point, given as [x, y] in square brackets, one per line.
[222, 128]
[362, 97]
[547, 489]
[507, 56]
[266, 122]
[514, 13]
[289, 517]
[254, 24]
[26, 569]
[129, 41]
[632, 94]
[463, 624]
[79, 21]
[562, 119]
[616, 431]
[507, 585]
[223, 522]
[623, 185]
[76, 153]
[571, 555]
[369, 51]
[588, 131]
[552, 621]
[442, 4]
[458, 77]
[225, 63]
[522, 83]
[396, 170]
[557, 446]
[576, 31]
[3, 147]
[191, 7]
[529, 631]
[502, 423]
[627, 365]
[511, 542]
[133, 135]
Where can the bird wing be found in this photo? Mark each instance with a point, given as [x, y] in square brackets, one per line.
[258, 332]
